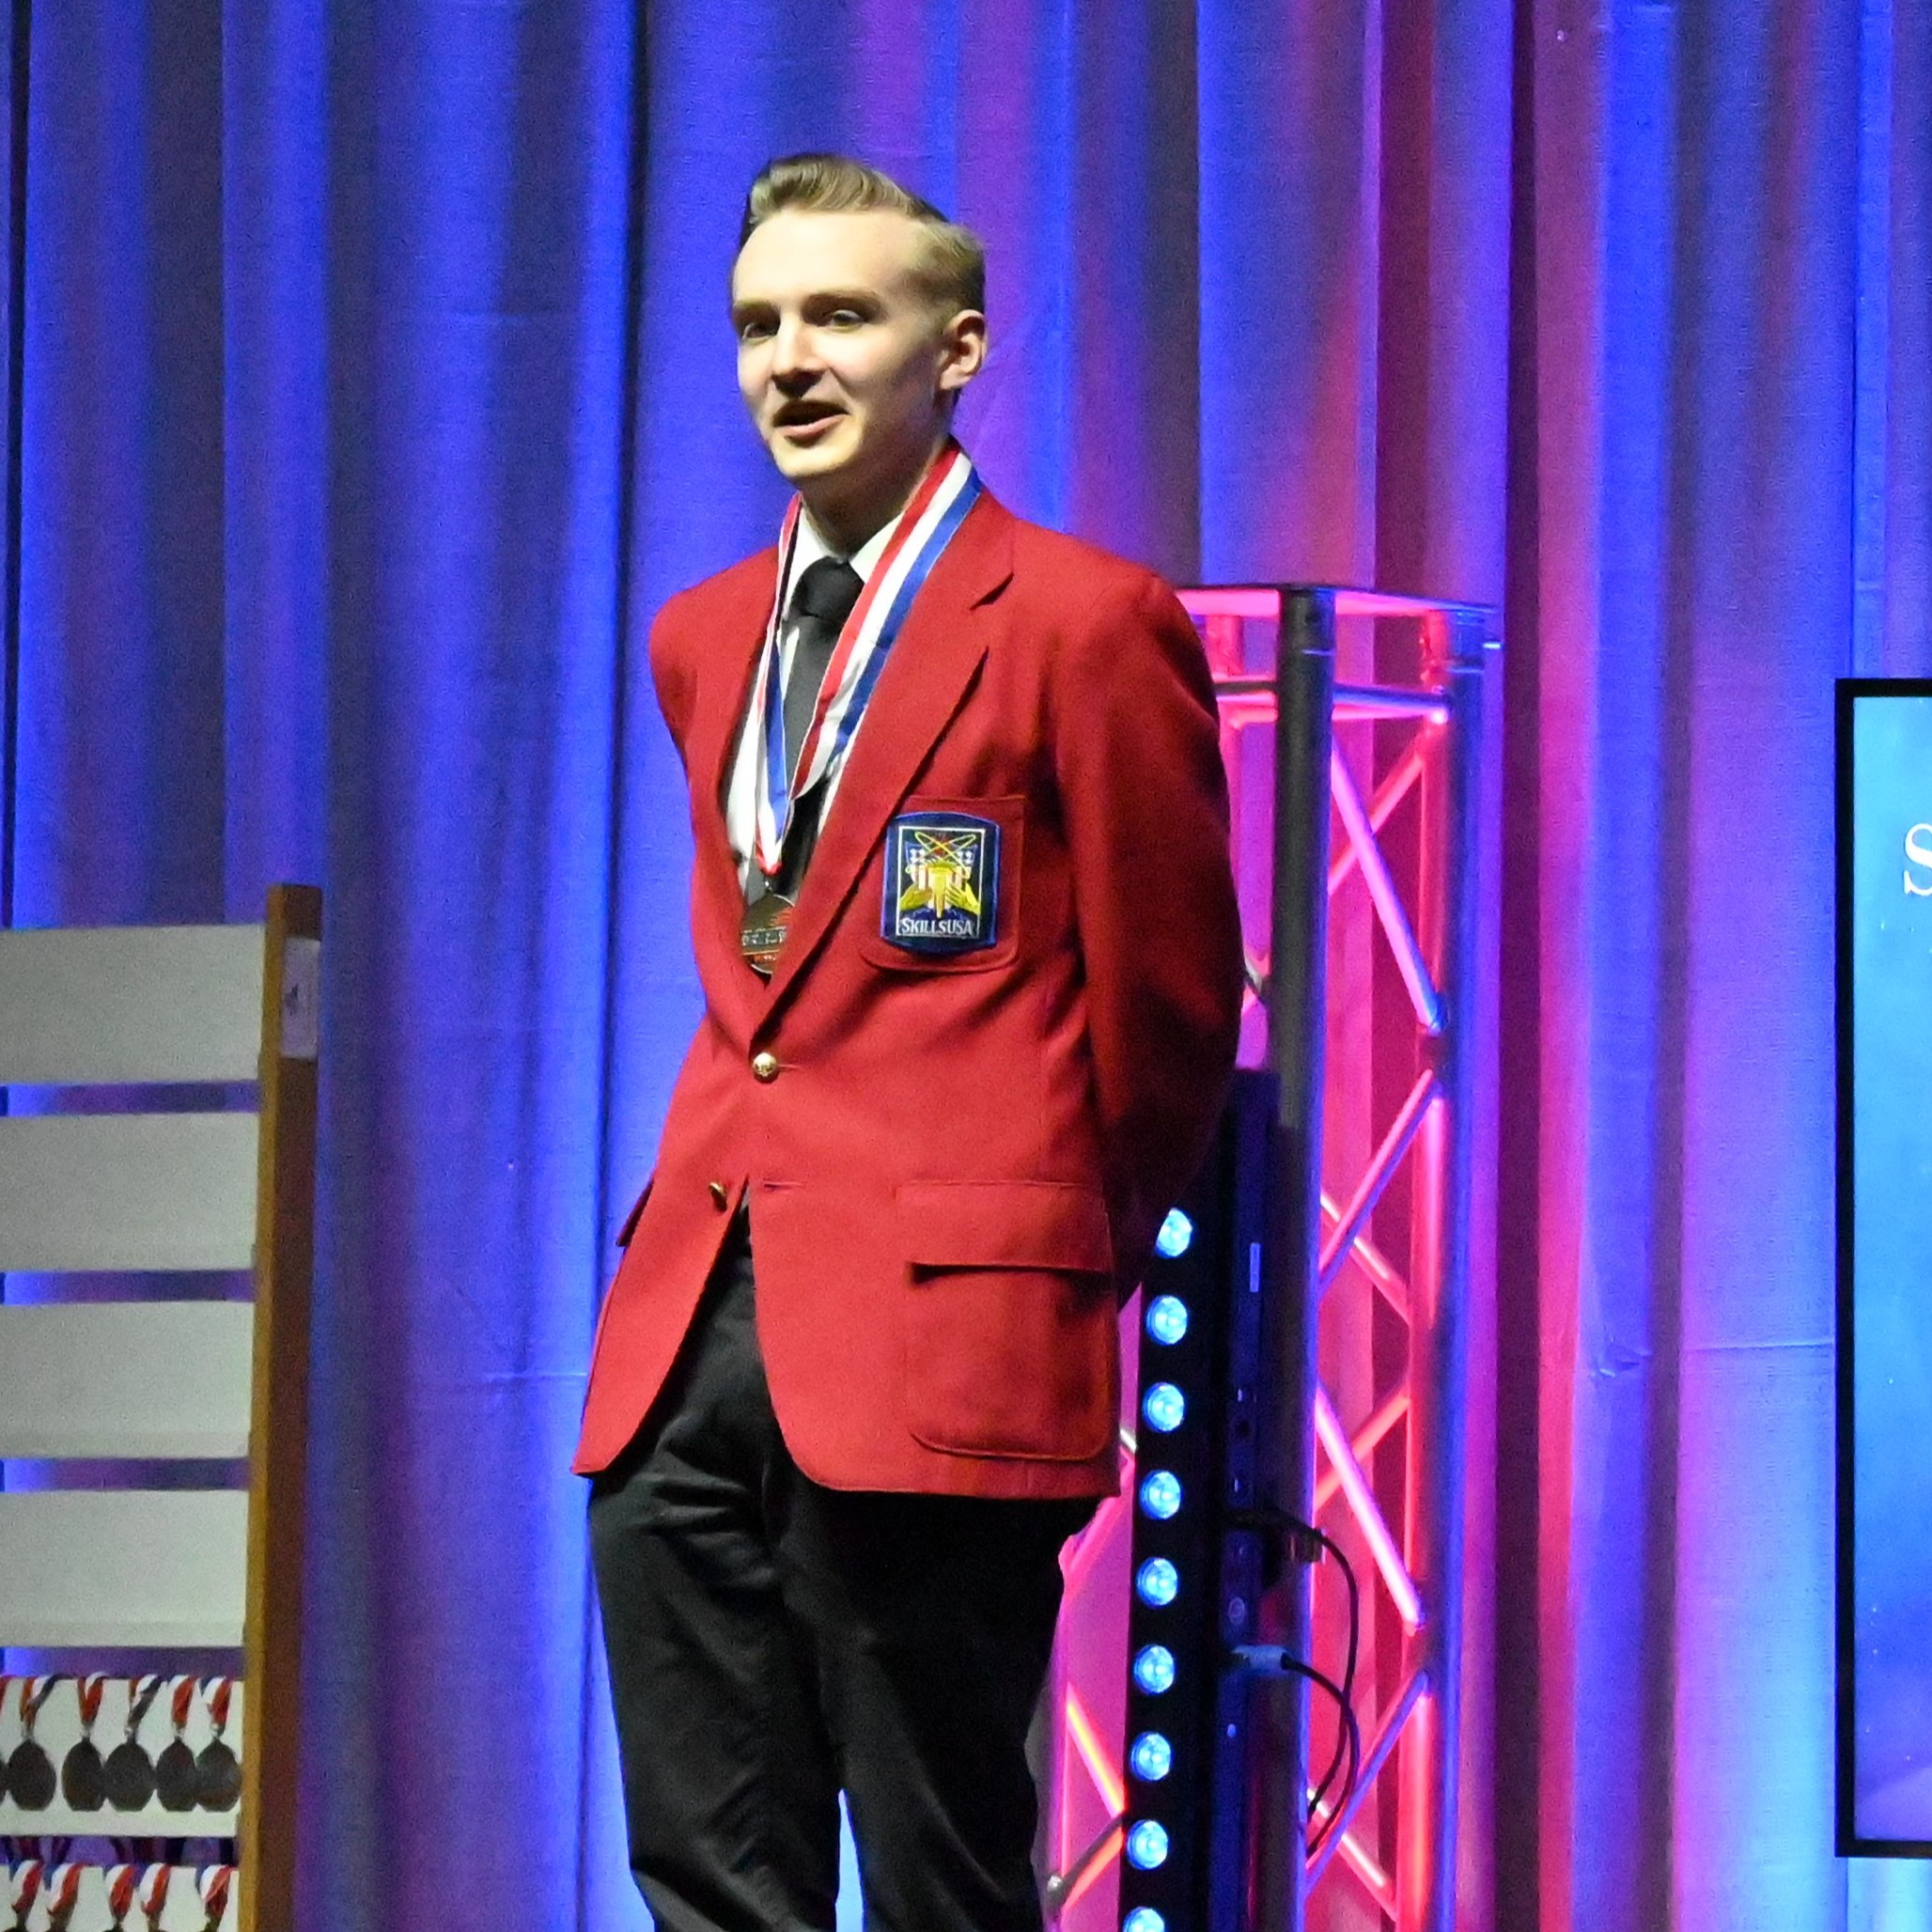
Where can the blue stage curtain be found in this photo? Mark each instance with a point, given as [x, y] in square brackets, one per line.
[375, 388]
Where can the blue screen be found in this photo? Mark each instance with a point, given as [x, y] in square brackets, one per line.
[1889, 1302]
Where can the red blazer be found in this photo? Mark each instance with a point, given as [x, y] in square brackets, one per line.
[955, 1162]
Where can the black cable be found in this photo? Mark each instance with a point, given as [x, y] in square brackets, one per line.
[1347, 1689]
[1350, 1734]
[1305, 1543]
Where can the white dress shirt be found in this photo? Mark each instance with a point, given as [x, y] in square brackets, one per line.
[742, 794]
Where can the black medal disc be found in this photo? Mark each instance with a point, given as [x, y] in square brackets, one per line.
[218, 1778]
[30, 1777]
[82, 1778]
[130, 1777]
[762, 933]
[175, 1779]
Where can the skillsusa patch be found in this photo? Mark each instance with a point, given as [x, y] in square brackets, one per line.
[942, 883]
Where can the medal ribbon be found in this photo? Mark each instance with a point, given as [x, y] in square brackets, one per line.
[155, 1898]
[928, 525]
[120, 1890]
[27, 1888]
[90, 1689]
[216, 1694]
[183, 1702]
[33, 1695]
[140, 1695]
[64, 1895]
[214, 1882]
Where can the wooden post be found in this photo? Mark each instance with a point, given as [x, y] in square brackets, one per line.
[278, 1433]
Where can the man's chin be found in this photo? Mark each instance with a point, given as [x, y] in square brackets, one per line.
[803, 465]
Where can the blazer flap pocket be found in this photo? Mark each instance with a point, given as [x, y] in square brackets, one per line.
[1005, 1224]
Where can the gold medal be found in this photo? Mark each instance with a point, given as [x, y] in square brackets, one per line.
[762, 932]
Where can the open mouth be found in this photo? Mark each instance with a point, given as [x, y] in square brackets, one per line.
[803, 422]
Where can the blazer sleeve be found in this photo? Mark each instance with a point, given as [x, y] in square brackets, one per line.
[670, 672]
[1137, 753]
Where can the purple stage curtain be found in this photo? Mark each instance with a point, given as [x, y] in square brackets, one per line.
[373, 388]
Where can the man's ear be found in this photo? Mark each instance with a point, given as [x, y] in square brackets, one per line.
[962, 351]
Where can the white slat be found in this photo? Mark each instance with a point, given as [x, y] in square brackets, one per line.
[129, 1004]
[126, 1378]
[98, 1568]
[134, 1191]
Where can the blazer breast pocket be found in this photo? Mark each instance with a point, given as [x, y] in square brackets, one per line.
[950, 877]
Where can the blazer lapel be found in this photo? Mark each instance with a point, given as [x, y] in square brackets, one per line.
[932, 663]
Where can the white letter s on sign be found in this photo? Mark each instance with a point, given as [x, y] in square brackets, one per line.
[1918, 852]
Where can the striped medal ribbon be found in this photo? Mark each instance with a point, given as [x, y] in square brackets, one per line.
[154, 1886]
[938, 506]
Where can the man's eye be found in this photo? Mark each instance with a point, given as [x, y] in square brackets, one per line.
[754, 331]
[844, 318]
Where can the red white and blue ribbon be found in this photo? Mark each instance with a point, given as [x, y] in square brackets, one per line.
[63, 1893]
[214, 1882]
[121, 1883]
[27, 1888]
[928, 525]
[154, 1887]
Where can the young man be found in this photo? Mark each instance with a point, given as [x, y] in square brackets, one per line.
[972, 968]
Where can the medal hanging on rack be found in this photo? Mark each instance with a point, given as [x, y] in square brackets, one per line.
[938, 506]
[29, 1771]
[154, 1884]
[214, 1881]
[217, 1770]
[174, 1782]
[130, 1770]
[83, 1777]
[6, 1690]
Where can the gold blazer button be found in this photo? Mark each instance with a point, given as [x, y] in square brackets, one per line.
[720, 1199]
[765, 1067]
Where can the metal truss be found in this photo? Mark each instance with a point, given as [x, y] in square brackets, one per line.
[1357, 811]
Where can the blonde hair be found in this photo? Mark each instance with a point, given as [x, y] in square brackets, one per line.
[954, 268]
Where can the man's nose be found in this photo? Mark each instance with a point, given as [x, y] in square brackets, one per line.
[794, 354]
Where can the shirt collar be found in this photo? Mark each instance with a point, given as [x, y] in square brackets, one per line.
[810, 547]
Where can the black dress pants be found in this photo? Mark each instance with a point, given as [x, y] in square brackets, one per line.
[773, 1643]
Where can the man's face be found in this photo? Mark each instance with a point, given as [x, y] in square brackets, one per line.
[844, 362]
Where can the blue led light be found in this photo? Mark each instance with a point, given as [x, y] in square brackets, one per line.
[1152, 1757]
[1144, 1917]
[1175, 1237]
[1159, 1582]
[1153, 1669]
[1164, 1406]
[1160, 1494]
[1167, 1319]
[1147, 1845]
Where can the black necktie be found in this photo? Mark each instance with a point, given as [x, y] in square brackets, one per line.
[820, 606]
[821, 602]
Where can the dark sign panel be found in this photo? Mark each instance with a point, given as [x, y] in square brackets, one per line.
[1885, 1267]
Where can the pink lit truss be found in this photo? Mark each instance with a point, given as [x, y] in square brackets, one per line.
[1402, 730]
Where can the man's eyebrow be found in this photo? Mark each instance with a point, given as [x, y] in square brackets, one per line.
[818, 297]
